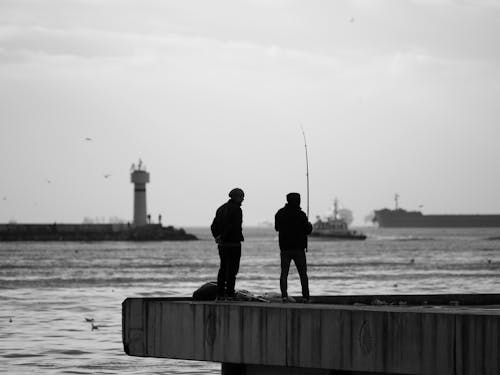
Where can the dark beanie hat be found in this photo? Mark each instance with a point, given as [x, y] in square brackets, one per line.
[293, 198]
[236, 192]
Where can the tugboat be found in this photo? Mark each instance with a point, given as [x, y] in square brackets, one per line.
[335, 227]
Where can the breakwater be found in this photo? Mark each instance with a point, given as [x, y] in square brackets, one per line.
[91, 232]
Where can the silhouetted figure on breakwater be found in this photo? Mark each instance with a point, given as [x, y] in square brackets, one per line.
[293, 227]
[228, 234]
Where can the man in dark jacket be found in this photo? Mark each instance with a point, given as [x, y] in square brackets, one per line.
[227, 231]
[293, 227]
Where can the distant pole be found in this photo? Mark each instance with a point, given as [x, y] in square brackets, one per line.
[307, 169]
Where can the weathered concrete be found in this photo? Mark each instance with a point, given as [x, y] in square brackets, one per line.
[320, 337]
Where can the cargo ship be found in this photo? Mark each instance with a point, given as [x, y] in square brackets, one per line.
[401, 218]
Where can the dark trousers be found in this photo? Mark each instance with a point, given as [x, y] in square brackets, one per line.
[299, 258]
[229, 266]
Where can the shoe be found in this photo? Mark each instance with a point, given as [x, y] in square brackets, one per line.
[220, 299]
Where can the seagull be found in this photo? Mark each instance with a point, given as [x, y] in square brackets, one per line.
[49, 182]
[107, 175]
[93, 326]
[88, 138]
[10, 320]
[89, 320]
[351, 20]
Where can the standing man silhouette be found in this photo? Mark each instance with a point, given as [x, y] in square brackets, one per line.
[293, 227]
[227, 231]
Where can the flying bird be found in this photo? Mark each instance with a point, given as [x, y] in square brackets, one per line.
[49, 182]
[351, 20]
[89, 320]
[107, 175]
[88, 138]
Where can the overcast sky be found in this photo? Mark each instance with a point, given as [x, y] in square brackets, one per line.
[394, 96]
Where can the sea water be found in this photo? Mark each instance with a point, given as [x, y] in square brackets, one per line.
[48, 290]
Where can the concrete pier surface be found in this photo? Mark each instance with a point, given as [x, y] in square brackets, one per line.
[395, 334]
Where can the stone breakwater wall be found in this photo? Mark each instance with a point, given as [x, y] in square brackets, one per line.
[91, 232]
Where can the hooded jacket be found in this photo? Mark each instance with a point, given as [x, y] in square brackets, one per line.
[293, 227]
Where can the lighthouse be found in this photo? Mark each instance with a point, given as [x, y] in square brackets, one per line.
[139, 177]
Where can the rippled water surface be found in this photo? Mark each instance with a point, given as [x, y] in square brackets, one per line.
[48, 289]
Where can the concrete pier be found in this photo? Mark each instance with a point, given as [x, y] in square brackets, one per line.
[428, 335]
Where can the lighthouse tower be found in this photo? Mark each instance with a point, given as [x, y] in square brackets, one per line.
[139, 177]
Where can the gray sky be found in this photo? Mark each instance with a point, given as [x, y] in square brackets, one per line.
[394, 96]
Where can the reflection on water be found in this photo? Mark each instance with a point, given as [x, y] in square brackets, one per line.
[48, 289]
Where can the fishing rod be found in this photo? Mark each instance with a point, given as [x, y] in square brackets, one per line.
[307, 168]
[307, 176]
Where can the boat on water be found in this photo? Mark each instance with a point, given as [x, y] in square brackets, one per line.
[335, 227]
[401, 218]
